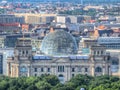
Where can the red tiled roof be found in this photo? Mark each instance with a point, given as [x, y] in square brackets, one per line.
[9, 24]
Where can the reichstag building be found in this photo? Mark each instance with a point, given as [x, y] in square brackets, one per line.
[58, 56]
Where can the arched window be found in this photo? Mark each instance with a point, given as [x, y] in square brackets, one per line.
[98, 69]
[61, 75]
[23, 69]
[115, 62]
[23, 52]
[61, 78]
[26, 51]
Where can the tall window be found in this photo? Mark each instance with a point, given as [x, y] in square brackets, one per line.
[23, 52]
[73, 69]
[26, 51]
[60, 68]
[35, 69]
[42, 70]
[86, 69]
[97, 52]
[48, 69]
[101, 52]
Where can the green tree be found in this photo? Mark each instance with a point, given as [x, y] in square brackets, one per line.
[3, 85]
[42, 85]
[79, 80]
[52, 79]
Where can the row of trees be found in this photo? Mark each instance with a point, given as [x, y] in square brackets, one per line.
[90, 12]
[51, 82]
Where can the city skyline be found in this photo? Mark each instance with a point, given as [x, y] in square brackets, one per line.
[85, 1]
[60, 45]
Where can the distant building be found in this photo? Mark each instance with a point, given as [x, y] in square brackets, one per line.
[9, 28]
[4, 53]
[7, 19]
[74, 19]
[104, 32]
[10, 40]
[115, 61]
[88, 42]
[10, 23]
[2, 39]
[83, 28]
[58, 56]
[62, 19]
[37, 18]
[109, 42]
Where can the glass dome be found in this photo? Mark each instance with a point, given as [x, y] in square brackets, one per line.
[59, 42]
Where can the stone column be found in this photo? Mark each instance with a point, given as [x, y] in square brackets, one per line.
[28, 72]
[8, 69]
[109, 68]
[104, 71]
[68, 74]
[93, 70]
[12, 73]
[17, 71]
[53, 70]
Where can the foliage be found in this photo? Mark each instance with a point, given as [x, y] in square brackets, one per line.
[51, 82]
[90, 12]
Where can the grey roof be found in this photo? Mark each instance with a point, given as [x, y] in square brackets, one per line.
[79, 57]
[108, 40]
[41, 57]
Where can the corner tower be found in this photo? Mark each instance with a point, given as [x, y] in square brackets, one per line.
[100, 61]
[19, 64]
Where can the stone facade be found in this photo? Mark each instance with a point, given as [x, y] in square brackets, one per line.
[24, 63]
